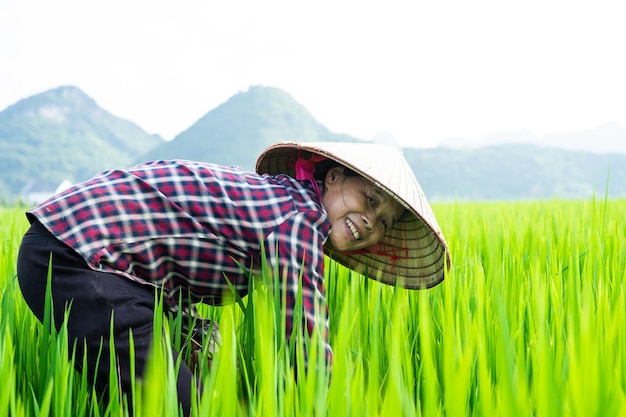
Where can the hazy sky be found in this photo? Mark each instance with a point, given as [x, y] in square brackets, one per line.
[420, 71]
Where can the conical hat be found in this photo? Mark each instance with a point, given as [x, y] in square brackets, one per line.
[413, 254]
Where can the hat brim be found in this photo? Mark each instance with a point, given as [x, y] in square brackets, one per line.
[413, 253]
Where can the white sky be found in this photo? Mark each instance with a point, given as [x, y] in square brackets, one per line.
[421, 71]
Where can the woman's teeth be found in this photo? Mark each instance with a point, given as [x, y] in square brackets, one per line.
[352, 227]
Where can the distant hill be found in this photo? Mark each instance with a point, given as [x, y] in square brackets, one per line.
[604, 139]
[237, 131]
[514, 171]
[63, 134]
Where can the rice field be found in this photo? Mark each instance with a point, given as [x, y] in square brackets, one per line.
[530, 321]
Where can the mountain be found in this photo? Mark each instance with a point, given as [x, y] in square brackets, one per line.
[604, 139]
[515, 171]
[237, 131]
[609, 137]
[63, 134]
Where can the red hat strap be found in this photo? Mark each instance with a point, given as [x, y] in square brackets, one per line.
[305, 170]
[390, 252]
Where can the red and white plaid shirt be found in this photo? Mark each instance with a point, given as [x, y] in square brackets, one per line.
[184, 225]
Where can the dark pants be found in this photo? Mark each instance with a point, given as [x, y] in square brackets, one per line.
[93, 296]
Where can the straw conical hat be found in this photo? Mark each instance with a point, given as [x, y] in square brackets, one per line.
[413, 254]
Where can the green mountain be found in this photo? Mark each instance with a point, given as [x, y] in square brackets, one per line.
[237, 131]
[63, 134]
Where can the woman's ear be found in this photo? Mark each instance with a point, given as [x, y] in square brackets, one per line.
[333, 175]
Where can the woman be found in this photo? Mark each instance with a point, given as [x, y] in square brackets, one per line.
[184, 226]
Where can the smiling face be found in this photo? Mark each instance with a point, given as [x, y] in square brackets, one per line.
[360, 212]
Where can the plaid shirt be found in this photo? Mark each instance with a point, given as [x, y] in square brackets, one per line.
[184, 225]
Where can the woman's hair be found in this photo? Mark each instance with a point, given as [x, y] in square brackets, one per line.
[322, 168]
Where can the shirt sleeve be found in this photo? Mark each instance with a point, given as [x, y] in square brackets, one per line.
[295, 250]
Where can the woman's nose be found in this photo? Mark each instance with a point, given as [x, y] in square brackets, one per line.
[368, 221]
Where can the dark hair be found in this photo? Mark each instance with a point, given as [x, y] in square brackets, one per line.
[322, 168]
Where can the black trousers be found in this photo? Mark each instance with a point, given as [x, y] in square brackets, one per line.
[94, 297]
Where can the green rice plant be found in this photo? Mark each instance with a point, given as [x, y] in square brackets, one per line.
[529, 322]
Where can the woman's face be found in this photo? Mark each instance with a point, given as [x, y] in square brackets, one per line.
[359, 211]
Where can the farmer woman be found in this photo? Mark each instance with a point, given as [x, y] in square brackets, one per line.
[182, 227]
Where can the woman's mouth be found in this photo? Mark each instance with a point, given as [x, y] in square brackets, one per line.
[353, 229]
